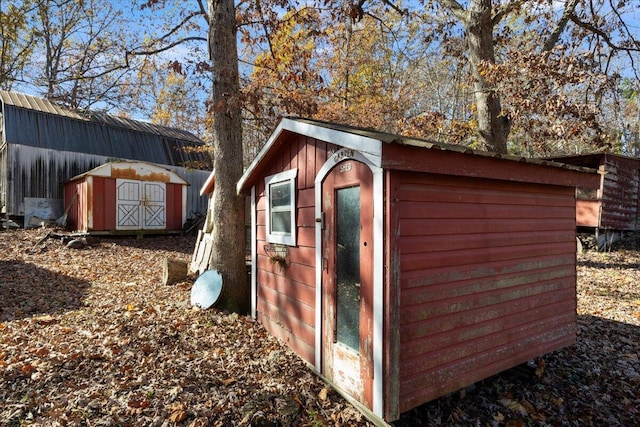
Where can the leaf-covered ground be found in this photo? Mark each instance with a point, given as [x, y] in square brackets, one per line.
[91, 337]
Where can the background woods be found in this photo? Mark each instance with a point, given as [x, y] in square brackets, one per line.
[533, 77]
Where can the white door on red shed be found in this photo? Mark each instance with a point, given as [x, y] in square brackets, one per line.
[140, 205]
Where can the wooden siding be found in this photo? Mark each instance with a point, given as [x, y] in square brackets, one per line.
[487, 278]
[614, 206]
[174, 207]
[620, 188]
[94, 206]
[74, 194]
[286, 296]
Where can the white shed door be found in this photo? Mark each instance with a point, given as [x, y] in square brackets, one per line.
[140, 205]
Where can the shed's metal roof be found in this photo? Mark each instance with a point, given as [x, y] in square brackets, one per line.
[29, 102]
[423, 143]
[370, 143]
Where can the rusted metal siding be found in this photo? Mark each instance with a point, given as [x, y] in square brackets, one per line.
[487, 277]
[4, 174]
[286, 296]
[37, 173]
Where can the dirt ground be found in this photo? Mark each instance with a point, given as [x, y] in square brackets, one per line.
[92, 337]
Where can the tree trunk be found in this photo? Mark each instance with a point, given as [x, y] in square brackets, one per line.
[228, 254]
[493, 126]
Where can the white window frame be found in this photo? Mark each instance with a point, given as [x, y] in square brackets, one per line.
[283, 238]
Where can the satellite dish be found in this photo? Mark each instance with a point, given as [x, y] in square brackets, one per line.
[206, 289]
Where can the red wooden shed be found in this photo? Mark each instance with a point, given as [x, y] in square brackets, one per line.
[403, 269]
[614, 205]
[126, 197]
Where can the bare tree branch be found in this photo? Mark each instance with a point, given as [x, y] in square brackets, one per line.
[203, 11]
[456, 8]
[603, 35]
[395, 7]
[560, 27]
[505, 10]
[264, 27]
[164, 48]
[631, 36]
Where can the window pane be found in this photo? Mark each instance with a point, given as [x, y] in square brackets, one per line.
[281, 194]
[280, 209]
[281, 222]
[348, 267]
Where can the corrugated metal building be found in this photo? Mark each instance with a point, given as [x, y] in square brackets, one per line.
[43, 145]
[614, 205]
[402, 269]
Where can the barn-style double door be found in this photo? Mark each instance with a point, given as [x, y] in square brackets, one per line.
[140, 205]
[347, 279]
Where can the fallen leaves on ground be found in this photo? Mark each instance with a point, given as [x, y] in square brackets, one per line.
[92, 337]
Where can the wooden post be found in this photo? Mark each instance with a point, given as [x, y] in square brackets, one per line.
[173, 271]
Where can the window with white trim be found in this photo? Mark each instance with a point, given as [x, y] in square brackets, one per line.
[280, 191]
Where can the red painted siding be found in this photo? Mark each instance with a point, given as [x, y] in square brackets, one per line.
[110, 204]
[74, 194]
[620, 188]
[96, 200]
[286, 296]
[487, 278]
[614, 205]
[97, 205]
[174, 206]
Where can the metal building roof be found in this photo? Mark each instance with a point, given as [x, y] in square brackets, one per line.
[29, 102]
[38, 123]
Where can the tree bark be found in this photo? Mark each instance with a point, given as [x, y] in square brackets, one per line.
[478, 22]
[228, 254]
[493, 126]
